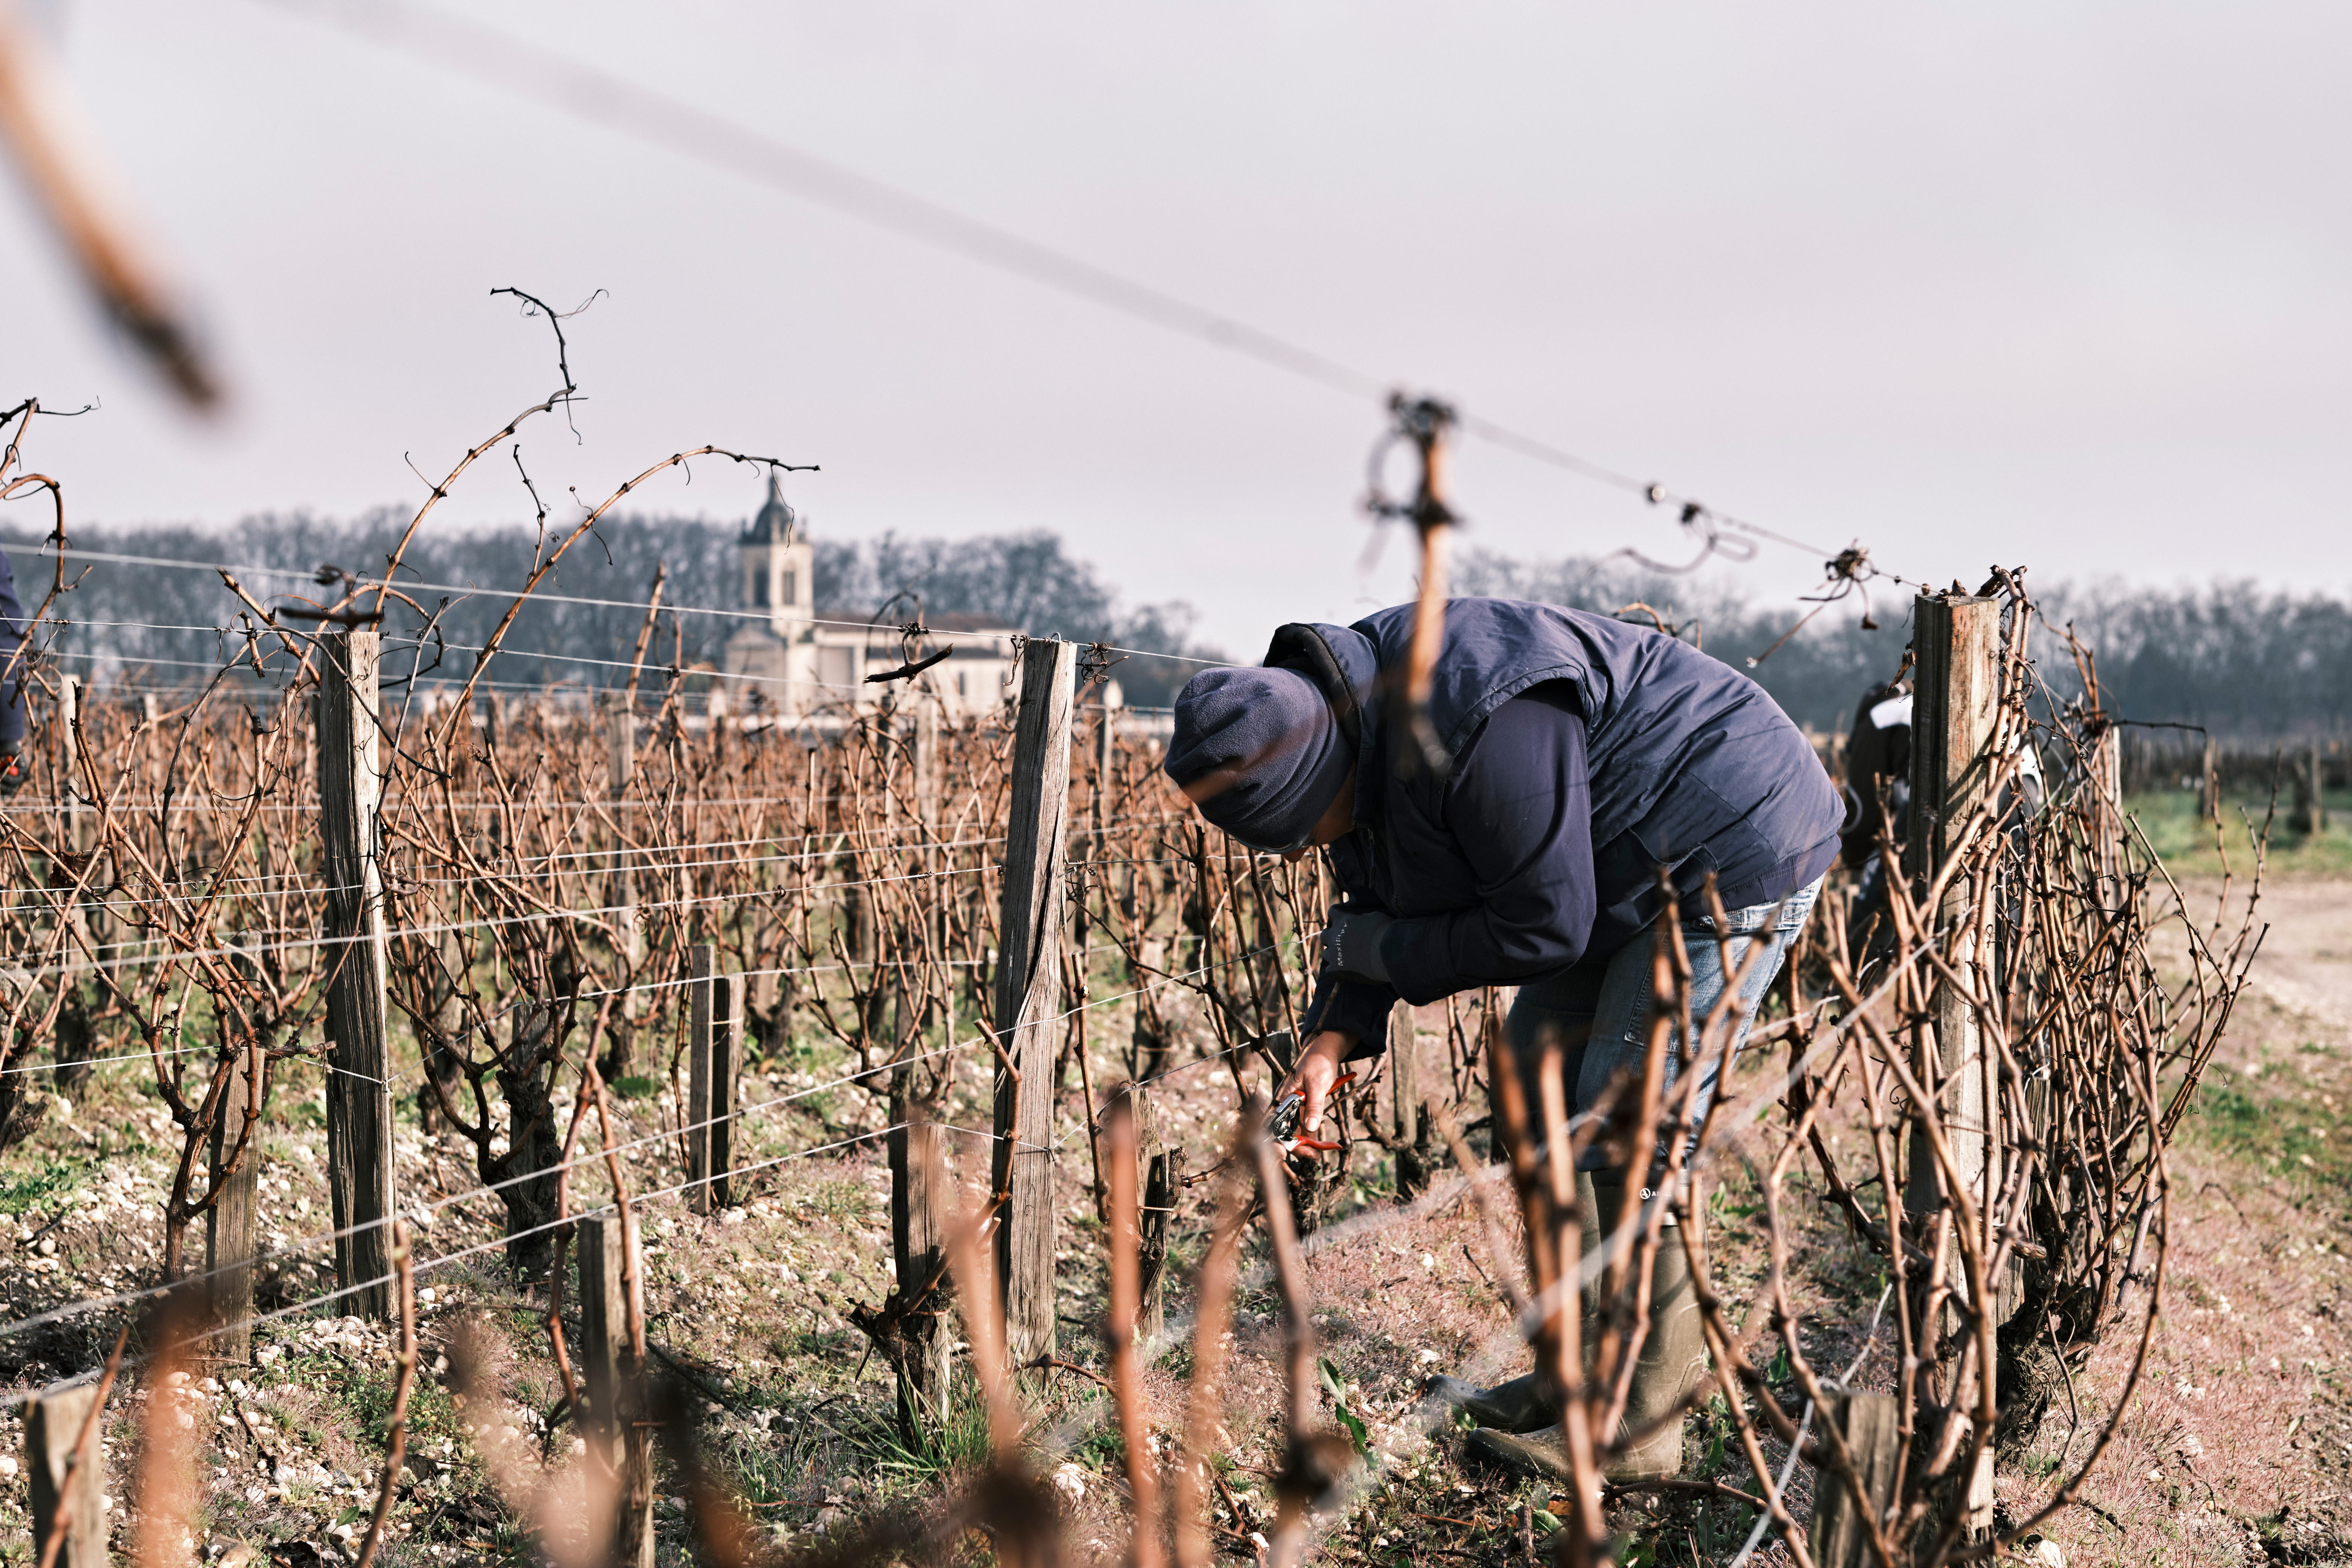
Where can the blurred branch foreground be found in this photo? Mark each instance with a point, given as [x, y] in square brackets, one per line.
[504, 904]
[57, 151]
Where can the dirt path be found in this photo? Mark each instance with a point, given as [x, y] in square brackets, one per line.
[2305, 968]
[2239, 1447]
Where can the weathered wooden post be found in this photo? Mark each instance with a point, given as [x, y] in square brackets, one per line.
[919, 1190]
[1158, 1166]
[2208, 785]
[1029, 995]
[359, 1088]
[53, 1424]
[714, 1058]
[620, 772]
[614, 1376]
[1872, 1425]
[1106, 768]
[442, 1074]
[2105, 814]
[1956, 641]
[228, 1225]
[1124, 1332]
[1409, 1121]
[2310, 801]
[69, 794]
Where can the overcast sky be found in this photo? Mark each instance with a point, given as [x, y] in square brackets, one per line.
[2059, 286]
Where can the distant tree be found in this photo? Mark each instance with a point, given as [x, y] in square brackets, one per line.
[1027, 581]
[2246, 661]
[161, 628]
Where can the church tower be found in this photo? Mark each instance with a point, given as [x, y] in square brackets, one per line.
[779, 568]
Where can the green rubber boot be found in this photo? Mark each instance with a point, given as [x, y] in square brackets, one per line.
[1517, 1408]
[1674, 1353]
[1513, 1406]
[1542, 1454]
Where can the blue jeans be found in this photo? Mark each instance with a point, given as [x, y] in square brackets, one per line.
[1599, 1009]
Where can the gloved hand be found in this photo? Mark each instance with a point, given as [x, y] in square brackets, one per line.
[1351, 945]
[12, 774]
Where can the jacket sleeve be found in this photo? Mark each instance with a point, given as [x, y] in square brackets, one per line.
[1521, 805]
[1357, 1008]
[12, 670]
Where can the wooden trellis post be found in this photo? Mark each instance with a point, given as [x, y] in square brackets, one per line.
[1872, 1424]
[1029, 995]
[76, 812]
[620, 771]
[228, 1225]
[919, 1192]
[1956, 640]
[1410, 1122]
[1156, 1165]
[69, 794]
[359, 1088]
[53, 1425]
[2208, 785]
[2310, 802]
[615, 1376]
[714, 1056]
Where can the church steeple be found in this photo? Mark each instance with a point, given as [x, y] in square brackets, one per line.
[778, 566]
[777, 522]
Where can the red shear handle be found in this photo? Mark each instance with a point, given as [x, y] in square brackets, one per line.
[1318, 1145]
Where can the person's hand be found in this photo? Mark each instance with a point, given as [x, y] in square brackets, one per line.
[12, 774]
[1315, 1076]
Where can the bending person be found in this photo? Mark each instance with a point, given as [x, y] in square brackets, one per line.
[1585, 753]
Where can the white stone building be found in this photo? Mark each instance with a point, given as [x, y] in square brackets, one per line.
[788, 661]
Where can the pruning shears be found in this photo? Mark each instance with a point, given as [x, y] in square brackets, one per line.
[1282, 1122]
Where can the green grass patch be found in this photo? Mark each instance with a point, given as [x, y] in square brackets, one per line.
[46, 1188]
[2187, 846]
[956, 1443]
[842, 1198]
[2278, 1132]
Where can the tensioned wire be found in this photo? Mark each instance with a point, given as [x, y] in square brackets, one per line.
[142, 957]
[618, 104]
[431, 679]
[516, 871]
[17, 1397]
[233, 659]
[626, 851]
[244, 655]
[764, 896]
[591, 916]
[72, 1308]
[362, 585]
[645, 987]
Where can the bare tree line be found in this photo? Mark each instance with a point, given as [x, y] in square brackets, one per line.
[146, 626]
[2246, 661]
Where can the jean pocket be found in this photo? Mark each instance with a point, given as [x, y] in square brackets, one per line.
[1798, 907]
[1780, 916]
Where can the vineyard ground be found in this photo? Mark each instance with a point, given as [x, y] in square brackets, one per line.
[2238, 1448]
